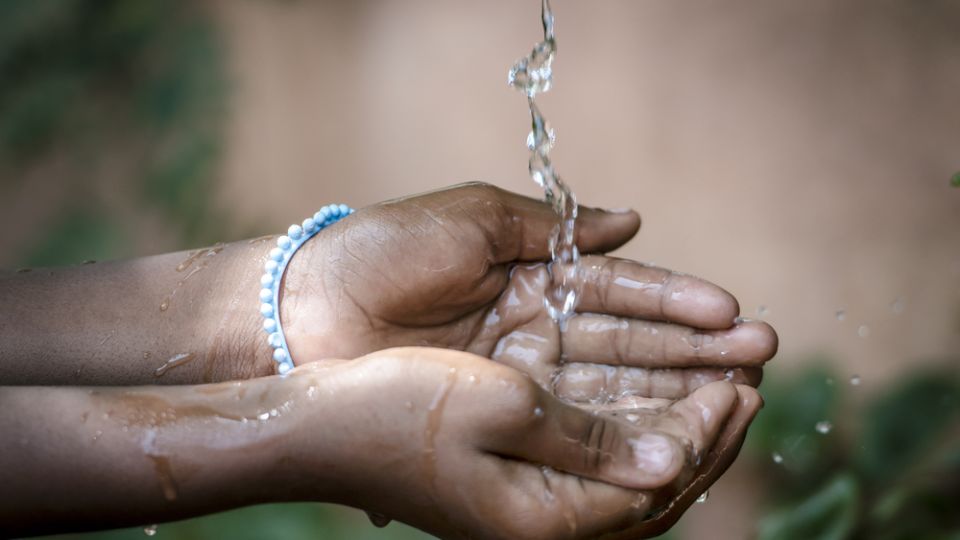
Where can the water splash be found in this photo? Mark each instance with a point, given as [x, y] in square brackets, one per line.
[855, 380]
[841, 315]
[703, 497]
[777, 458]
[150, 530]
[531, 75]
[824, 427]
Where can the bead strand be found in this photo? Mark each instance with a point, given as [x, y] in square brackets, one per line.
[273, 269]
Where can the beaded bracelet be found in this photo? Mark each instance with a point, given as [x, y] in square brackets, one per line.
[276, 263]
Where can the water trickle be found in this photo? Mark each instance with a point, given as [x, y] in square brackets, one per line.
[777, 458]
[703, 497]
[150, 530]
[841, 315]
[855, 380]
[174, 361]
[863, 330]
[823, 427]
[531, 75]
[196, 255]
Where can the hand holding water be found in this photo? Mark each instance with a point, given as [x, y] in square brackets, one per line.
[465, 268]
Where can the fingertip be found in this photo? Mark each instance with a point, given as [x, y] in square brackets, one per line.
[605, 230]
[750, 399]
[759, 340]
[658, 458]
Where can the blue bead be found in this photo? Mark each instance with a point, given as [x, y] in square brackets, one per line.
[276, 254]
[271, 266]
[266, 309]
[318, 218]
[334, 210]
[266, 280]
[295, 232]
[274, 340]
[279, 355]
[283, 368]
[309, 225]
[324, 212]
[283, 242]
[266, 295]
[344, 210]
[270, 325]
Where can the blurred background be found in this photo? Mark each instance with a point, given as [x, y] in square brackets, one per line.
[805, 155]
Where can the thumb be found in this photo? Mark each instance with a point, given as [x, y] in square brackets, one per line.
[519, 227]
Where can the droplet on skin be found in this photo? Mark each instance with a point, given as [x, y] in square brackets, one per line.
[165, 304]
[175, 361]
[777, 458]
[823, 427]
[538, 412]
[855, 380]
[378, 520]
[863, 331]
[632, 418]
[150, 530]
[728, 375]
[703, 497]
[841, 315]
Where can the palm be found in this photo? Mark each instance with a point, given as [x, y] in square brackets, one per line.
[462, 269]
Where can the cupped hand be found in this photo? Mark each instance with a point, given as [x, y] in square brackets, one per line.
[465, 268]
[463, 447]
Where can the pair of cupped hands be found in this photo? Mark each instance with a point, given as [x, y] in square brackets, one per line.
[469, 412]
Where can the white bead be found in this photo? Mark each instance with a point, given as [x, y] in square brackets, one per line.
[295, 232]
[276, 254]
[283, 368]
[266, 295]
[344, 210]
[266, 280]
[309, 225]
[266, 310]
[270, 325]
[283, 242]
[279, 355]
[274, 340]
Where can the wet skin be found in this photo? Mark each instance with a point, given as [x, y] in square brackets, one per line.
[462, 268]
[447, 441]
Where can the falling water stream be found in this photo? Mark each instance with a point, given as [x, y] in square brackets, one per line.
[531, 75]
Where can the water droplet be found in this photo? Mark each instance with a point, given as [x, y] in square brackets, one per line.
[777, 458]
[855, 380]
[632, 418]
[863, 330]
[472, 378]
[897, 306]
[165, 304]
[728, 375]
[88, 261]
[841, 315]
[263, 416]
[538, 412]
[762, 310]
[378, 520]
[703, 497]
[150, 530]
[823, 427]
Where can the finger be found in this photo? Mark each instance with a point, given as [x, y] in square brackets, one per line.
[602, 448]
[714, 464]
[603, 384]
[612, 340]
[519, 228]
[547, 503]
[632, 289]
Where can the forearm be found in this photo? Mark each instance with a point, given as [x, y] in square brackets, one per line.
[79, 458]
[177, 318]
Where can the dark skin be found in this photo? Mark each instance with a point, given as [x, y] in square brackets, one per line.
[462, 268]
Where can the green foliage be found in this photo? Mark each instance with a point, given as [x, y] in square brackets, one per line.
[896, 478]
[133, 87]
[78, 236]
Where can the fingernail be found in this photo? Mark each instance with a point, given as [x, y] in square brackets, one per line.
[652, 453]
